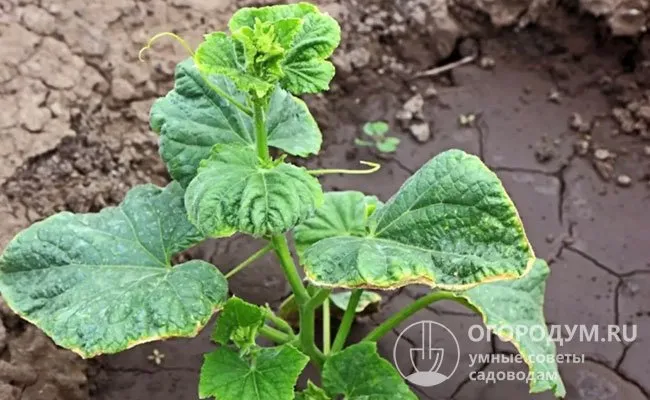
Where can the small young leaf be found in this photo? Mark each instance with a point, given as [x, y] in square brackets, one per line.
[304, 65]
[102, 283]
[342, 214]
[342, 299]
[266, 374]
[246, 17]
[220, 54]
[508, 306]
[359, 373]
[388, 145]
[234, 192]
[451, 225]
[312, 392]
[363, 143]
[192, 118]
[238, 322]
[377, 128]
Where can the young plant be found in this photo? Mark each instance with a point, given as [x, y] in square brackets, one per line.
[104, 282]
[376, 133]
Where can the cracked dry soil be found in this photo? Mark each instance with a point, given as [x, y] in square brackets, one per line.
[561, 112]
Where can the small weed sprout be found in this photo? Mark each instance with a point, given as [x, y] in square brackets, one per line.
[375, 132]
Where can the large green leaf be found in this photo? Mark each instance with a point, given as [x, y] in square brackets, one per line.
[514, 311]
[286, 43]
[451, 225]
[267, 374]
[101, 283]
[238, 322]
[234, 192]
[192, 118]
[359, 373]
[342, 214]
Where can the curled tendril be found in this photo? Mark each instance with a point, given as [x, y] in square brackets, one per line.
[374, 167]
[163, 34]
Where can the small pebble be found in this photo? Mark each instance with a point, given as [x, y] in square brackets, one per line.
[487, 62]
[624, 180]
[550, 238]
[581, 147]
[646, 150]
[554, 96]
[602, 154]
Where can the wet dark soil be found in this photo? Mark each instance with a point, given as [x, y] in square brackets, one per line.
[560, 112]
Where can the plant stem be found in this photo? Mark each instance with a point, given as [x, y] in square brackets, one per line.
[346, 322]
[318, 298]
[274, 334]
[326, 327]
[279, 322]
[246, 110]
[307, 344]
[260, 130]
[250, 260]
[305, 305]
[289, 268]
[374, 167]
[405, 313]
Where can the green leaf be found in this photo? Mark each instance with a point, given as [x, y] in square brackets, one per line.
[220, 54]
[376, 128]
[304, 65]
[363, 143]
[342, 214]
[102, 283]
[234, 192]
[312, 392]
[451, 225]
[388, 145]
[238, 322]
[246, 16]
[192, 118]
[514, 311]
[342, 299]
[359, 373]
[268, 374]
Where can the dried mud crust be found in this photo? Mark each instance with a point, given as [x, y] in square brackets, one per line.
[74, 135]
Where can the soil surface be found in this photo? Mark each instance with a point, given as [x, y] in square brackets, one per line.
[558, 105]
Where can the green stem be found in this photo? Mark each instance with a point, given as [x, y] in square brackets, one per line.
[405, 313]
[246, 110]
[305, 303]
[374, 167]
[346, 322]
[282, 250]
[307, 344]
[250, 260]
[274, 335]
[279, 322]
[260, 130]
[327, 341]
[318, 298]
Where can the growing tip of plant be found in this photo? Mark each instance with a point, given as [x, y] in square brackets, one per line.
[160, 35]
[374, 167]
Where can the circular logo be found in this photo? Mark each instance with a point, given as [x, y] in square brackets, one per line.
[433, 352]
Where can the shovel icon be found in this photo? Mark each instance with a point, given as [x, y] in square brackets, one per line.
[431, 355]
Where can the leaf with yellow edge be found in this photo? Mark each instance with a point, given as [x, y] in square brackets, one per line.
[104, 282]
[514, 311]
[451, 225]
